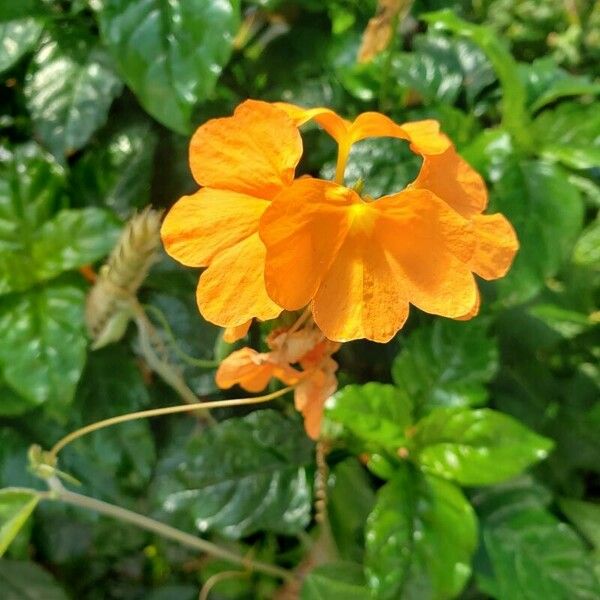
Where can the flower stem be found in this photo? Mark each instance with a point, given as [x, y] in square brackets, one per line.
[166, 531]
[159, 412]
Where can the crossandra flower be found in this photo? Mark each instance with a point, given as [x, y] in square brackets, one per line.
[360, 262]
[242, 162]
[314, 380]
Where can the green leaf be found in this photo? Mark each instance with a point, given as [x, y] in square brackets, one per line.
[447, 364]
[16, 506]
[570, 134]
[240, 476]
[119, 459]
[587, 248]
[376, 413]
[170, 53]
[11, 11]
[547, 212]
[476, 447]
[350, 501]
[385, 166]
[514, 96]
[118, 171]
[420, 539]
[43, 349]
[16, 39]
[338, 581]
[34, 246]
[438, 68]
[31, 190]
[69, 89]
[585, 516]
[21, 580]
[71, 239]
[547, 82]
[531, 551]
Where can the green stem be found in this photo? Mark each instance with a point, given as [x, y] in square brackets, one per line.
[159, 412]
[169, 374]
[191, 360]
[166, 531]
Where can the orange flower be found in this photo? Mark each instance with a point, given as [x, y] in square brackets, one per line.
[243, 162]
[313, 385]
[253, 370]
[358, 262]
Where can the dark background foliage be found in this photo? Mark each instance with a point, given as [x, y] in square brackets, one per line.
[97, 102]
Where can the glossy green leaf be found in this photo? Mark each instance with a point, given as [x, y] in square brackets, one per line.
[337, 581]
[34, 245]
[514, 114]
[421, 536]
[587, 248]
[170, 54]
[546, 82]
[447, 364]
[350, 501]
[11, 11]
[585, 516]
[70, 86]
[32, 188]
[531, 551]
[386, 166]
[240, 476]
[16, 506]
[71, 239]
[476, 447]
[117, 172]
[16, 39]
[43, 349]
[570, 134]
[547, 212]
[22, 580]
[439, 68]
[376, 413]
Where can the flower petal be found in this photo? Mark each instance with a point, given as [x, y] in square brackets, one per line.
[233, 334]
[496, 247]
[424, 136]
[331, 122]
[363, 295]
[302, 230]
[453, 180]
[246, 368]
[253, 152]
[311, 394]
[200, 226]
[429, 243]
[232, 290]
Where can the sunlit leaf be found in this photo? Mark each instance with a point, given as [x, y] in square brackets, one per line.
[338, 581]
[170, 54]
[16, 39]
[421, 536]
[70, 86]
[376, 413]
[16, 506]
[43, 349]
[476, 447]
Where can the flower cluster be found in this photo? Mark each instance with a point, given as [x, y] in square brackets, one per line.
[272, 242]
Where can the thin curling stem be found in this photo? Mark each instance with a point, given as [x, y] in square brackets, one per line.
[159, 412]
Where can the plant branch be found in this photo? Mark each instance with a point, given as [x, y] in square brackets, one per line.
[166, 531]
[159, 412]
